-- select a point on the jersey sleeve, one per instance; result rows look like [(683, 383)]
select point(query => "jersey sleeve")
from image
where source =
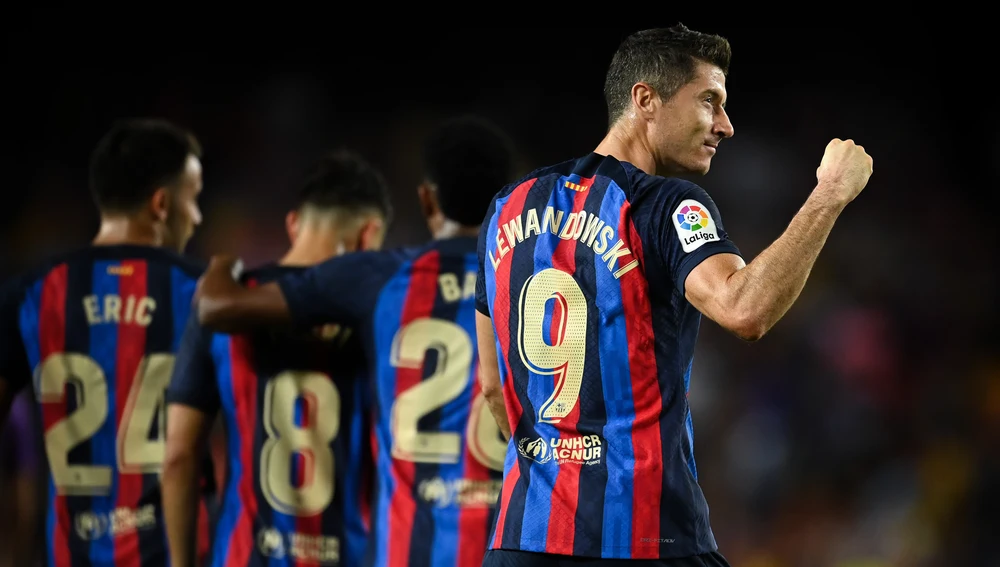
[(690, 230), (15, 369), (194, 383), (342, 290)]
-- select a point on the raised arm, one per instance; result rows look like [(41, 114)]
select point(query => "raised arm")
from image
[(749, 299)]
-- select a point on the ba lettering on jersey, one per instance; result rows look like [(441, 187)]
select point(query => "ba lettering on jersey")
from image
[(439, 453), (98, 329), (582, 272), (295, 410)]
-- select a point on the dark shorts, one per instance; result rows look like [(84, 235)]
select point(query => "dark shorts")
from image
[(508, 558)]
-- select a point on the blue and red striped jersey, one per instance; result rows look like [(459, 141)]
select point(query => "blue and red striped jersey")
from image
[(582, 271), (439, 453), (96, 332), (298, 455)]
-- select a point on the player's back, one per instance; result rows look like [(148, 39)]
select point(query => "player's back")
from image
[(439, 451), (584, 267), (98, 330), (295, 410)]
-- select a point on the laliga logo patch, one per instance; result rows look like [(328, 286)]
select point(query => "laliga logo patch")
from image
[(694, 225)]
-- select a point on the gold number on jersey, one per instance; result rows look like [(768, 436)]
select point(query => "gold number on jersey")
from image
[(311, 442), (455, 357), (135, 452), (564, 359)]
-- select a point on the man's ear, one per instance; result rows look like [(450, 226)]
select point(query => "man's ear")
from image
[(429, 206), (159, 204), (292, 225), (645, 100), (372, 233)]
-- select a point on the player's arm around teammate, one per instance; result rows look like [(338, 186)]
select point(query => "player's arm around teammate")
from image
[(226, 306)]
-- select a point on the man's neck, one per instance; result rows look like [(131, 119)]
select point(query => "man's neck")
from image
[(115, 231), (623, 143), (452, 229), (311, 248)]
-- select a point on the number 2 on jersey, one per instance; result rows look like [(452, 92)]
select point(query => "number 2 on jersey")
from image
[(449, 379), (136, 452), (552, 301)]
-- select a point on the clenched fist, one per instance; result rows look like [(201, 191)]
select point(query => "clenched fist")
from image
[(845, 169)]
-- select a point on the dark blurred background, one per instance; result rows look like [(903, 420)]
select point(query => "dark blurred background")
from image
[(863, 431)]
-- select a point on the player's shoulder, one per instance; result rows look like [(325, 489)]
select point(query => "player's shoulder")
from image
[(643, 185), (370, 268)]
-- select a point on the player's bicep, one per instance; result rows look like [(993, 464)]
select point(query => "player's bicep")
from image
[(335, 291), (187, 432), (244, 309), (707, 287), (193, 383)]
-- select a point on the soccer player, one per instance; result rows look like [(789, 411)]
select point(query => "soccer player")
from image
[(593, 277), (97, 330), (293, 404), (438, 450)]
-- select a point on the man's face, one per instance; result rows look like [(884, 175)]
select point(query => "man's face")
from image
[(689, 126), (185, 214)]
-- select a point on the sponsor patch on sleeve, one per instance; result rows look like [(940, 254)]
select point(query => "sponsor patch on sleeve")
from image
[(694, 225)]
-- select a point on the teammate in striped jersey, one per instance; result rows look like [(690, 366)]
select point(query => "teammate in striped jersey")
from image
[(97, 329), (594, 274), (294, 405), (438, 450)]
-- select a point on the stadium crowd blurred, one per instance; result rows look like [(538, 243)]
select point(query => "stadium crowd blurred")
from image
[(864, 431)]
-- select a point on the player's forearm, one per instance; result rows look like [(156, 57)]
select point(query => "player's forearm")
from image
[(180, 507), (763, 291), (494, 397), (235, 309)]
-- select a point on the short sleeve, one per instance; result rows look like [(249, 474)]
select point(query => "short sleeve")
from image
[(194, 382), (482, 304), (343, 289), (692, 231), (15, 369)]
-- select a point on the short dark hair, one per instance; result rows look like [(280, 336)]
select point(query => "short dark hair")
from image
[(469, 159), (135, 158), (343, 180), (664, 58)]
